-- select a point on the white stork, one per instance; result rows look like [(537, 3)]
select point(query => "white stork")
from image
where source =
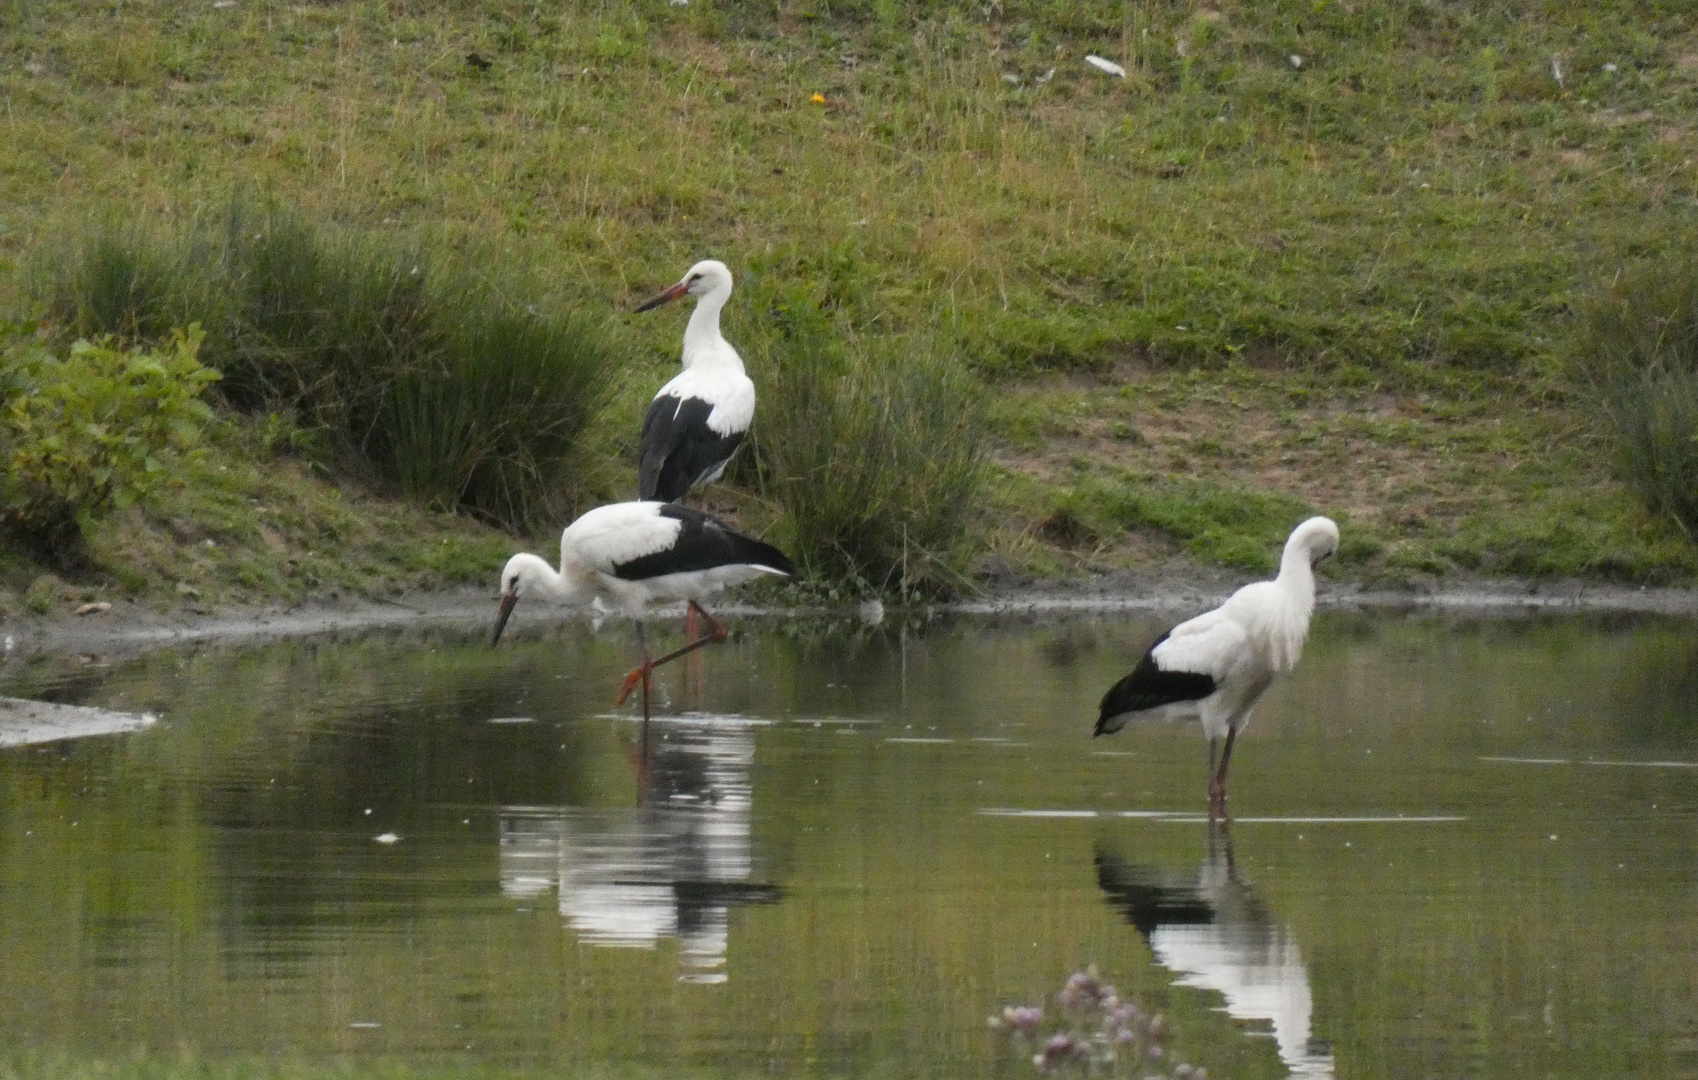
[(1218, 664), (699, 419), (629, 555)]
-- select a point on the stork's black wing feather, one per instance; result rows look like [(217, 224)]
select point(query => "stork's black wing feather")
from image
[(703, 543), (679, 450), (1149, 687)]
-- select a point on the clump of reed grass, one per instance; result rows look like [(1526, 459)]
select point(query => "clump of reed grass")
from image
[(874, 450), (1636, 352), (420, 376)]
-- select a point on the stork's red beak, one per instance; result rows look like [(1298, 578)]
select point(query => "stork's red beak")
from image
[(501, 614), (664, 298)]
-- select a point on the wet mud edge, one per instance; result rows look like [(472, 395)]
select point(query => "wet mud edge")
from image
[(129, 627)]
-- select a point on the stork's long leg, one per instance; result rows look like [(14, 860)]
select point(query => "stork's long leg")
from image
[(693, 680), (1217, 782), (639, 674), (716, 634)]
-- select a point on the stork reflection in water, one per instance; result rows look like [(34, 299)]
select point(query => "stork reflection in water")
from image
[(1214, 932), (673, 866)]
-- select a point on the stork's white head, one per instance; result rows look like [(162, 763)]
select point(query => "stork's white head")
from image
[(706, 278), (525, 574), (1311, 542)]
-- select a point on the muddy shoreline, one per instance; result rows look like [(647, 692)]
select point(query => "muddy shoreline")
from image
[(129, 627)]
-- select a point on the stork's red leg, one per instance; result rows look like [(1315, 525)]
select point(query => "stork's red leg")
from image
[(1217, 781), (716, 634), (639, 674)]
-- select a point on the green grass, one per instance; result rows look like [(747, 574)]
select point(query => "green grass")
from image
[(1374, 255), (1230, 527)]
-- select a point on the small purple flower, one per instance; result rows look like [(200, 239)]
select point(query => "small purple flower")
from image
[(1022, 1018), (1082, 989), (1125, 1037), (1155, 1052), (1058, 1049)]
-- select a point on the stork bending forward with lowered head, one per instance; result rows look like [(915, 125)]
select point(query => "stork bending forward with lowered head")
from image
[(1218, 664), (629, 555), (699, 419)]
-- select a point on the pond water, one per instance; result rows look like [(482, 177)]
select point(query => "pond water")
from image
[(1458, 847)]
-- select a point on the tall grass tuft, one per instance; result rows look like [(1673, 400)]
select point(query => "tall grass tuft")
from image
[(875, 451), (1636, 349), (422, 377)]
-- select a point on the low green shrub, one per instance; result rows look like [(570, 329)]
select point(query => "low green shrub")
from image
[(1636, 351), (91, 431), (875, 453), (424, 378)]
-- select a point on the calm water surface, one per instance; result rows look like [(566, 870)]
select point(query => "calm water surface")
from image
[(1459, 848)]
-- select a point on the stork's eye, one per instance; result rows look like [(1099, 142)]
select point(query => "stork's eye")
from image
[(693, 279)]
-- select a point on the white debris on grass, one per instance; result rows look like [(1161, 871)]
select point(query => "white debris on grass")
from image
[(1108, 67)]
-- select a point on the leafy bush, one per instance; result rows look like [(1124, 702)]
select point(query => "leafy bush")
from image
[(94, 430), (424, 379), (875, 452), (1636, 349)]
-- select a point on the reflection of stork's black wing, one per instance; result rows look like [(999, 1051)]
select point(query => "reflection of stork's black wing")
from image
[(724, 893), (1148, 902)]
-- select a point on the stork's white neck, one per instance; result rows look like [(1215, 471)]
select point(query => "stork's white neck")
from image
[(538, 579), (1297, 577), (703, 343), (1289, 625)]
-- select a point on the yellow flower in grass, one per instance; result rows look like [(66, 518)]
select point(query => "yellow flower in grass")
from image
[(818, 98)]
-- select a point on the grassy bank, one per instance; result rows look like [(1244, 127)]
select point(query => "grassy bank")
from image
[(1301, 258)]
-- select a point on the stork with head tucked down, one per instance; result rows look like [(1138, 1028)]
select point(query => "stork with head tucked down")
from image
[(629, 555), (699, 419), (1218, 664)]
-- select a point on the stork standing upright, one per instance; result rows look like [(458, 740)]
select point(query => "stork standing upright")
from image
[(699, 419), (1217, 665), (632, 554)]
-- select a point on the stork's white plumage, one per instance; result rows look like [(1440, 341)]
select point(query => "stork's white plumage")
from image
[(1218, 664), (629, 555), (698, 420)]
